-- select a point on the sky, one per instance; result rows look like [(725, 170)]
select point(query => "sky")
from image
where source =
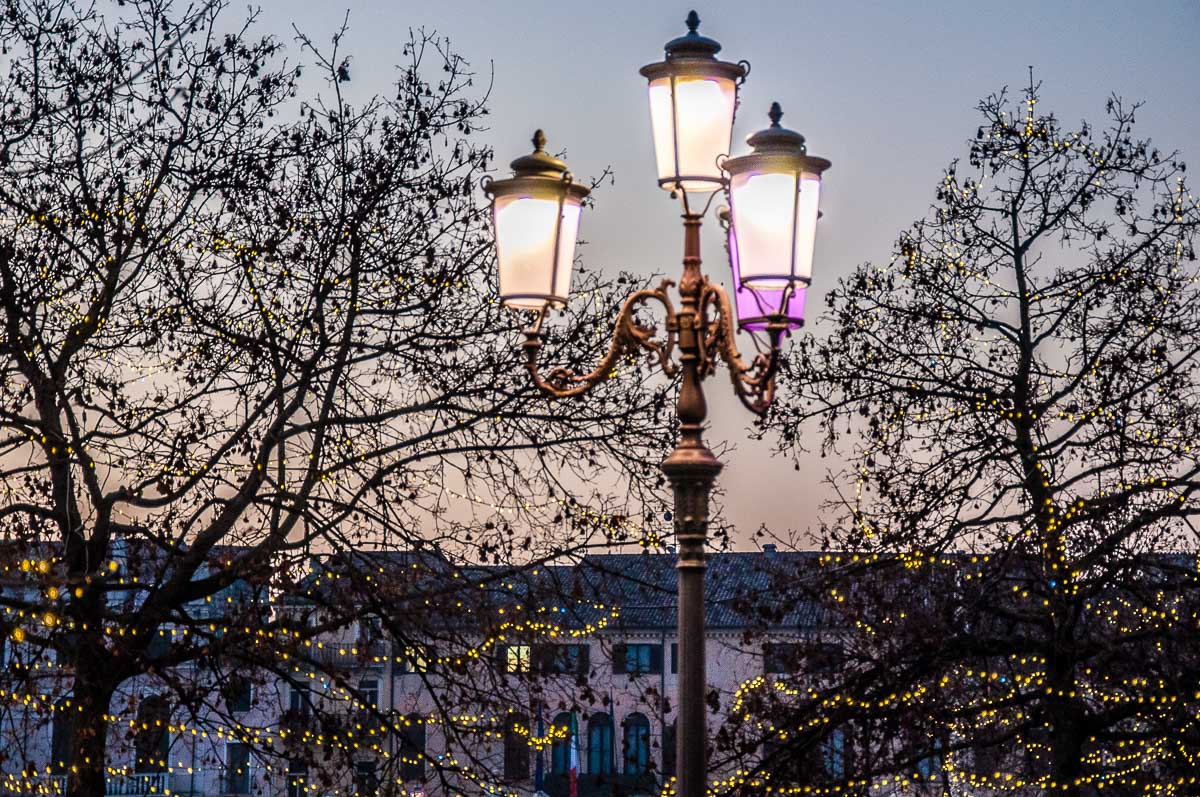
[(886, 91)]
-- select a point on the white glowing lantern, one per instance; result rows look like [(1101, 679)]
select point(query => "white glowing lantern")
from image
[(535, 214), (693, 97), (774, 197)]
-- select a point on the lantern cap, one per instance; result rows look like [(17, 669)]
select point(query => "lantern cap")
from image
[(539, 163), (692, 44), (777, 138), (776, 148)]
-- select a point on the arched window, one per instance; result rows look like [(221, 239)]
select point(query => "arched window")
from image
[(151, 743), (560, 749), (637, 744), (600, 744), (412, 748)]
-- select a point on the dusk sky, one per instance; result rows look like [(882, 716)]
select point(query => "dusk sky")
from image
[(884, 90)]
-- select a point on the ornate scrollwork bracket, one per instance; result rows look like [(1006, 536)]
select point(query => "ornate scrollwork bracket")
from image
[(628, 338), (753, 381)]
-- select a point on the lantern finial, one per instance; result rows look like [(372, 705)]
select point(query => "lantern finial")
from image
[(539, 162), (775, 114), (692, 44), (776, 138)]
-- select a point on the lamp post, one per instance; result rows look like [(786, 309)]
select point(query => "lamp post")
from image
[(770, 225)]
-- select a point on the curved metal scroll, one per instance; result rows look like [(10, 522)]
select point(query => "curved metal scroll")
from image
[(628, 337), (753, 382)]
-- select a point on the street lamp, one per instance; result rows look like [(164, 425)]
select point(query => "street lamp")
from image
[(535, 214), (693, 97), (771, 224)]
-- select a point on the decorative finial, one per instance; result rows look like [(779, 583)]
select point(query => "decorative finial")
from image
[(775, 114), (693, 22), (539, 141)]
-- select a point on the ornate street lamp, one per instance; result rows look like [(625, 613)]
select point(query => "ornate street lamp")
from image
[(771, 227), (693, 97), (535, 214)]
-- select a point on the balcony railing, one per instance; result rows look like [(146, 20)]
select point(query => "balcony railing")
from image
[(137, 785), (245, 781), (360, 654)]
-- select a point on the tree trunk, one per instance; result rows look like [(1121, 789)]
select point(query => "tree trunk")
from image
[(90, 704), (1066, 739)]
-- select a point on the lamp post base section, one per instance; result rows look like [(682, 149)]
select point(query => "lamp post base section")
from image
[(692, 470)]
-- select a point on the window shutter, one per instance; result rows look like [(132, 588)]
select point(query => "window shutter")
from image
[(430, 659), (543, 658), (618, 659), (583, 662), (656, 662)]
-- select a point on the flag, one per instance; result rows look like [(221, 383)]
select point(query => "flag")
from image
[(573, 752), (539, 772)]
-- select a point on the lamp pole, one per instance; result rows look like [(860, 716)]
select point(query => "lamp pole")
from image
[(692, 469), (773, 196)]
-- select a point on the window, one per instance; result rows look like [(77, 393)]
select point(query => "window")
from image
[(560, 748), (151, 742), (931, 766), (669, 740), (637, 744), (369, 630), (674, 658), (638, 659), (771, 746), (300, 700), (823, 659), (833, 754), (239, 693), (418, 659), (297, 777), (62, 751), (516, 748), (990, 759), (600, 744), (514, 658), (368, 692), (412, 748), (563, 659), (366, 782), (237, 768), (780, 657)]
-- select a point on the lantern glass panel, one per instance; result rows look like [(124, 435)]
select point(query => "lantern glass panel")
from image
[(806, 225), (531, 271), (753, 306), (699, 123), (764, 212)]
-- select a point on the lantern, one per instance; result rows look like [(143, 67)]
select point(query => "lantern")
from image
[(774, 194), (535, 214), (692, 102)]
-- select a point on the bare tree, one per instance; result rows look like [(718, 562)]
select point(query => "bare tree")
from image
[(1017, 398), (245, 320)]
